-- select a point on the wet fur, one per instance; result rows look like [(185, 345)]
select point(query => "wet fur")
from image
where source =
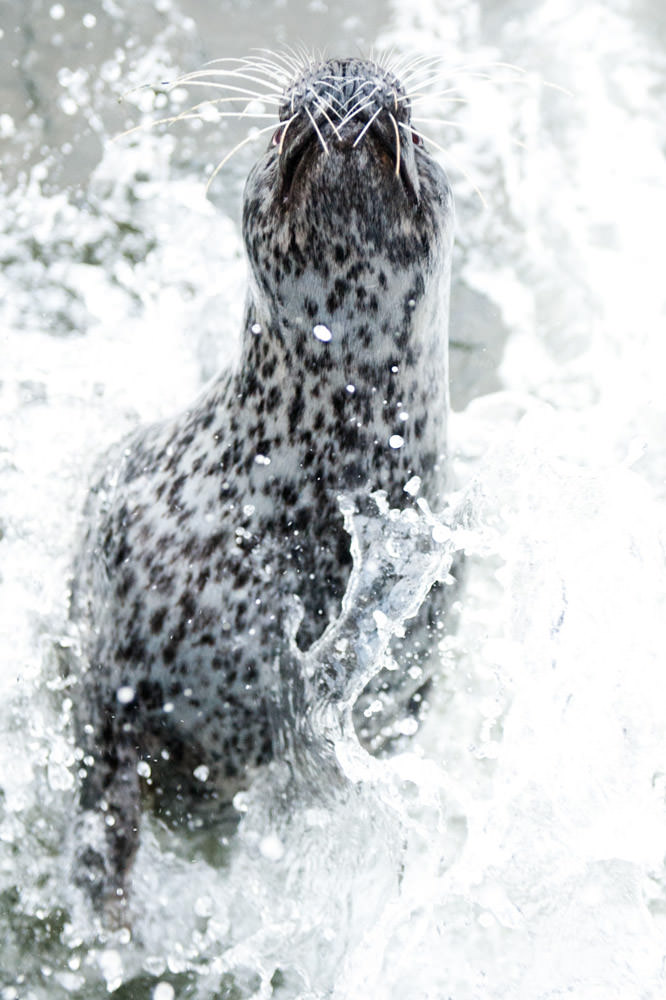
[(200, 529)]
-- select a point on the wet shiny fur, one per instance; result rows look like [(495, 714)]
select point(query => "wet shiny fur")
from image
[(200, 529)]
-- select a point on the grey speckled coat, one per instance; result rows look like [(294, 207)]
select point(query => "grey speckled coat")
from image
[(202, 527)]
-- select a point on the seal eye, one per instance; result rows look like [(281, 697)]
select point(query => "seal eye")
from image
[(277, 135), (416, 139)]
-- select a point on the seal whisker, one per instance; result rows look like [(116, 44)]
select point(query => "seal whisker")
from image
[(397, 144), (324, 100), (437, 121), (284, 133), (299, 61), (317, 130), (190, 113), (275, 74), (365, 128), (206, 74), (450, 72), (460, 125), (417, 98), (241, 91), (473, 71), (281, 75), (364, 102), (406, 68), (450, 154), (322, 108), (225, 159), (409, 66)]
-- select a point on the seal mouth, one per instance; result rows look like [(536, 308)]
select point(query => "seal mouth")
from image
[(300, 146)]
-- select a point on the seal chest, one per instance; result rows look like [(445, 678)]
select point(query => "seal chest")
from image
[(202, 528)]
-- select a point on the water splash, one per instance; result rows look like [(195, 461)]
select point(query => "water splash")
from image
[(515, 850)]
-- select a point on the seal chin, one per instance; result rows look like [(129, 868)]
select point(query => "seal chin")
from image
[(304, 147), (395, 165)]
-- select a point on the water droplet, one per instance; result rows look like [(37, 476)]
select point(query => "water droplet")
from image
[(403, 416), (322, 333), (412, 486), (351, 388), (7, 126), (57, 12), (381, 621), (440, 533), (395, 441), (271, 847), (262, 460), (201, 772), (203, 906), (143, 769), (164, 991), (408, 726), (256, 328), (111, 967), (125, 694)]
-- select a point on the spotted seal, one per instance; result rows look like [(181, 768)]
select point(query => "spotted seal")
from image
[(202, 528)]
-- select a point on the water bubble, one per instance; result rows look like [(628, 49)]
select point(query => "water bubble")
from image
[(322, 333), (262, 460), (403, 416), (351, 388), (57, 12), (256, 328), (143, 769), (201, 772), (89, 20), (395, 441)]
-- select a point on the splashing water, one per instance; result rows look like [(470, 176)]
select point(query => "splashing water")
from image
[(514, 848)]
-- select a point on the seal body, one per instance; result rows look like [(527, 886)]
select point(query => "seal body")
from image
[(201, 529)]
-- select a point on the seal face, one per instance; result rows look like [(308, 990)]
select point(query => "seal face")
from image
[(202, 528)]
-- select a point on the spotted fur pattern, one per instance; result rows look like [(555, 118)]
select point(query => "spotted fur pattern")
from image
[(201, 528)]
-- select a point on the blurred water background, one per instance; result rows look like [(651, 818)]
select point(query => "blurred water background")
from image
[(516, 850)]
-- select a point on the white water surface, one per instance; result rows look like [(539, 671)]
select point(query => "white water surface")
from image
[(515, 850)]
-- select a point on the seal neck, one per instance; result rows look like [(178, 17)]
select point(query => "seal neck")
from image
[(367, 394)]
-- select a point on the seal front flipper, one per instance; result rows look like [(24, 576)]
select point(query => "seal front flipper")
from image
[(108, 825)]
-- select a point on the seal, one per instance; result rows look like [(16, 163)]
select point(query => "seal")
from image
[(201, 529)]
